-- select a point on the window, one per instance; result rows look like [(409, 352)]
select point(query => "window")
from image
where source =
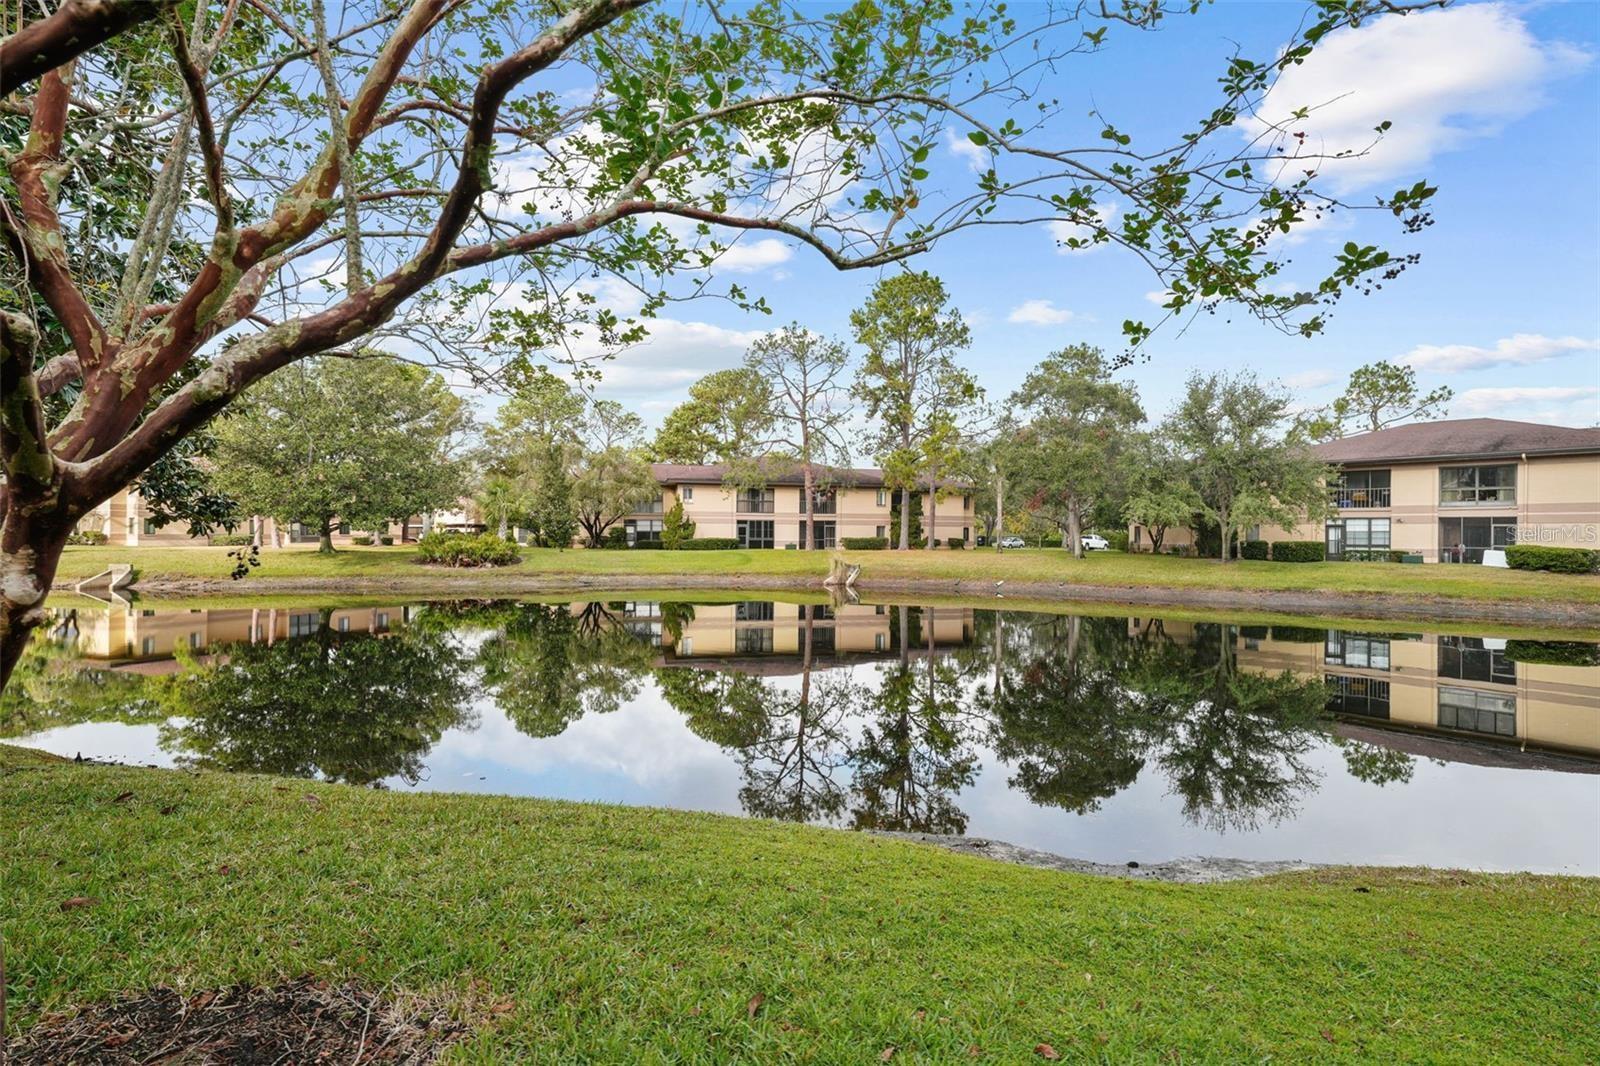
[(822, 639), (1466, 659), (1463, 540), (194, 640), (1357, 536), (383, 621), (880, 641), (755, 534), (1474, 485), (147, 646), (344, 529), (756, 501), (150, 526), (1477, 712), (883, 500), (1355, 650), (881, 531), (1364, 696), (303, 625), (752, 640), (1360, 488), (652, 506), (686, 646), (687, 492), (642, 530), (344, 624), (966, 501), (753, 611), (826, 533), (966, 533)]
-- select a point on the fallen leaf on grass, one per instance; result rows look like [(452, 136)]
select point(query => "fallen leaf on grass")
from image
[(1328, 1036), (753, 1008), (1045, 1051), (123, 798), (312, 800), (974, 1050), (169, 809), (76, 902), (886, 1054), (224, 869)]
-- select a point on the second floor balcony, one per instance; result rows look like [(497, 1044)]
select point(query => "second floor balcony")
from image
[(1346, 497)]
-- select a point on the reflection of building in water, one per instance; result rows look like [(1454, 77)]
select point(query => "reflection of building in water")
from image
[(1463, 687), (145, 641), (776, 632)]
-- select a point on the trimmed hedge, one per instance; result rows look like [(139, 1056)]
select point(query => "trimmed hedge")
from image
[(230, 540), (1253, 549), (1372, 555), (1299, 551), (864, 544), (362, 540), (88, 536), (467, 549), (1299, 634), (957, 543), (1553, 652), (1555, 560), (710, 544)]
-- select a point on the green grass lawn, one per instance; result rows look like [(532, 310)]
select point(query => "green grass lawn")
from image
[(1049, 565), (585, 933)]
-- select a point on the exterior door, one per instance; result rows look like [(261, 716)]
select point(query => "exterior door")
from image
[(1335, 540)]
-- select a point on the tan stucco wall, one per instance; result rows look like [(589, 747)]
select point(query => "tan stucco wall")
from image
[(713, 509)]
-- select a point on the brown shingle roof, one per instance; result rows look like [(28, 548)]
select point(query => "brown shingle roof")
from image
[(1460, 438), (861, 477)]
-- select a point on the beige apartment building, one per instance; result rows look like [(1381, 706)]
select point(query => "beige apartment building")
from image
[(125, 520), (855, 503), (1449, 490)]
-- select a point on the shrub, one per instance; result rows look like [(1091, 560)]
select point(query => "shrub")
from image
[(1253, 549), (676, 530), (362, 540), (1299, 551), (87, 536), (648, 545), (710, 544), (1255, 632), (1372, 555), (864, 544), (466, 549), (1118, 539), (1299, 634), (615, 537), (230, 540), (955, 542), (1555, 560), (1553, 652)]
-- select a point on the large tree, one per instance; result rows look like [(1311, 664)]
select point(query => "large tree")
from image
[(726, 418), (1244, 471), (1076, 421), (1379, 395), (362, 440), (918, 401), (297, 186), (808, 411)]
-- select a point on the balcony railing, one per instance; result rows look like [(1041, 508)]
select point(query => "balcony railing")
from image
[(746, 505), (1346, 497)]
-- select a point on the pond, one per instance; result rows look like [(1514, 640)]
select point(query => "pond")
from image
[(1107, 737)]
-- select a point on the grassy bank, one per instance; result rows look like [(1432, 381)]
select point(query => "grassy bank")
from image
[(588, 933), (1046, 566)]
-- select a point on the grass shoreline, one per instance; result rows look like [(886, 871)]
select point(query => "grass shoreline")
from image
[(1375, 590), (603, 933)]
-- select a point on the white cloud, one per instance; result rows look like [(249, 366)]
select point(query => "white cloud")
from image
[(1310, 379), (746, 257), (1039, 313), (1569, 405), (1066, 231), (674, 356), (1521, 349), (1442, 77), (1159, 297), (975, 157)]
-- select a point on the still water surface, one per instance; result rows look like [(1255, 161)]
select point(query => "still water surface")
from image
[(1107, 738)]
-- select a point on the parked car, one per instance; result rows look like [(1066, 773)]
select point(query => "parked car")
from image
[(1094, 542), (1013, 541)]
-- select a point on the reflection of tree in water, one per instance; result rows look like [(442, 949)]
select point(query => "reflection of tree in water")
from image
[(789, 745), (915, 751), (1376, 765), (1061, 711), (351, 707), (53, 686), (1080, 705), (547, 666)]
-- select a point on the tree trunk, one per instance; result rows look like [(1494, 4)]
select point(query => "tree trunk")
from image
[(905, 634), (905, 520), (933, 519), (30, 551), (326, 543), (1157, 535), (1075, 528), (999, 531), (1222, 527), (808, 531)]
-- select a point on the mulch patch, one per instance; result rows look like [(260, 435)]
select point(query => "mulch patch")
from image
[(303, 1021)]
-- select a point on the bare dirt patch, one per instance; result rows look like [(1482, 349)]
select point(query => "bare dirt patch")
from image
[(303, 1021)]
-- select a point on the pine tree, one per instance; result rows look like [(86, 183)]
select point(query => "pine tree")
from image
[(553, 514)]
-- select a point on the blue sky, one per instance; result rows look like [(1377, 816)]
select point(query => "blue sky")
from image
[(1497, 104)]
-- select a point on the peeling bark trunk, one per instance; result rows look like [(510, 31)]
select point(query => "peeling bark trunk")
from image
[(933, 520), (30, 551), (1075, 529), (905, 520)]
